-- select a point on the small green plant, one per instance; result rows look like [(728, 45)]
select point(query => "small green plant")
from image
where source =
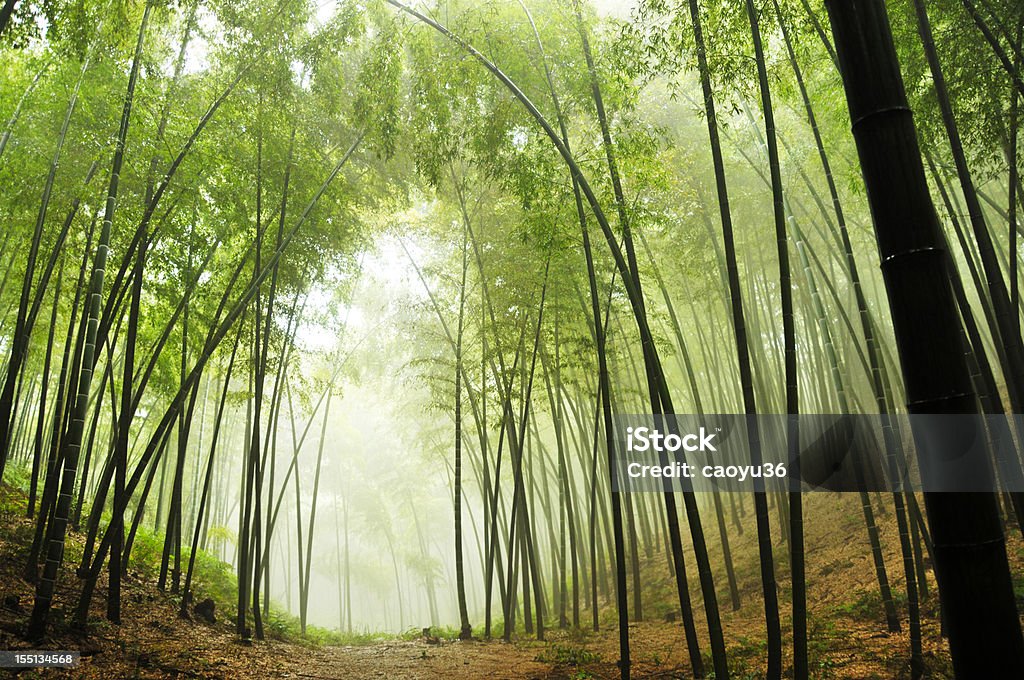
[(868, 605), (1018, 586), (568, 655), (742, 660), (18, 474), (146, 551), (215, 579)]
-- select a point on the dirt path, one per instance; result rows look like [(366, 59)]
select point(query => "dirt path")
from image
[(214, 654), (153, 642), (457, 660), (162, 646)]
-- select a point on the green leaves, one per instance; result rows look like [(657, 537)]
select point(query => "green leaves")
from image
[(377, 106)]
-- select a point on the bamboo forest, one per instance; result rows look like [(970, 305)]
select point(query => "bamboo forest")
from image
[(540, 339)]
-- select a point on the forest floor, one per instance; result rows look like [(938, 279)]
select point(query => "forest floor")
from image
[(846, 623)]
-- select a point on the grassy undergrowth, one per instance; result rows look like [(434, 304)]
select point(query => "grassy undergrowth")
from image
[(213, 578)]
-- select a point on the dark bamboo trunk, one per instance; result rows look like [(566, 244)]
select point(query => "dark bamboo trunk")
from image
[(792, 395), (55, 547), (969, 547), (742, 354), (465, 629), (186, 595), (5, 14)]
